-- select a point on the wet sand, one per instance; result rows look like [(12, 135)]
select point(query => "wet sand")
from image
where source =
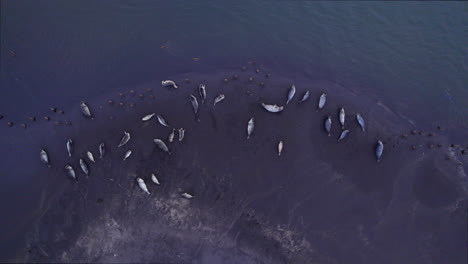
[(319, 202)]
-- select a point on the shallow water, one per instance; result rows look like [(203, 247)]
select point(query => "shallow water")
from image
[(320, 201)]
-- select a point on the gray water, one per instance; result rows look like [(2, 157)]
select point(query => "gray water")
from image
[(400, 64)]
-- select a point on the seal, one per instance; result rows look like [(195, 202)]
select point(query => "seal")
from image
[(194, 101), (291, 93), (127, 154), (125, 139), (202, 91), (168, 83), (154, 179), (171, 136), (142, 185), (69, 147), (218, 99), (272, 108), (360, 121), (379, 150), (148, 117), (84, 167), (328, 123), (250, 127), (322, 101), (181, 134), (187, 196), (44, 157), (306, 96), (102, 150), (85, 109), (70, 171), (90, 156), (344, 133), (280, 148), (162, 121), (161, 145), (342, 117)]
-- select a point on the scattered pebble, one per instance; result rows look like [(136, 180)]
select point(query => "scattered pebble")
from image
[(121, 104), (431, 146), (413, 132), (439, 128), (141, 96), (262, 84), (121, 95), (187, 81), (439, 145), (148, 89), (61, 112), (404, 135), (267, 75), (459, 163), (68, 123), (132, 92), (196, 59), (257, 70), (251, 79), (132, 105), (32, 118), (248, 92), (151, 96), (431, 134), (463, 152), (413, 147), (226, 80), (235, 77), (23, 125), (46, 118), (421, 133), (10, 124), (53, 109), (250, 62), (454, 146), (58, 123), (12, 53), (110, 102), (111, 117), (244, 68)]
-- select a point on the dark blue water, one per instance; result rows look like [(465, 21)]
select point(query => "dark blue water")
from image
[(402, 64)]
